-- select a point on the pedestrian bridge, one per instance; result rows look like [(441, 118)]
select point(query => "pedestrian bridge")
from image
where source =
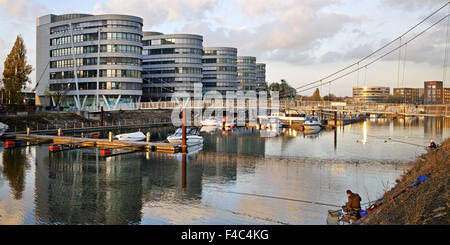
[(393, 109)]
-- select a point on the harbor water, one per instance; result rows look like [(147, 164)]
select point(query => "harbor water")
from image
[(242, 176)]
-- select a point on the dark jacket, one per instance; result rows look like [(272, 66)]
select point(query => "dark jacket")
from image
[(354, 202)]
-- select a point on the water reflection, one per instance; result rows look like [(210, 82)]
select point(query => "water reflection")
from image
[(13, 168), (78, 187)]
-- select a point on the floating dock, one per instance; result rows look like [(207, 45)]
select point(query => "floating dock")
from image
[(62, 143)]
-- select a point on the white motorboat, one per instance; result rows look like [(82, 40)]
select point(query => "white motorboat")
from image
[(210, 122), (192, 137), (3, 128), (137, 136), (312, 124)]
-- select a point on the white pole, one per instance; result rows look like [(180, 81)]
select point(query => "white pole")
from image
[(98, 69), (77, 100)]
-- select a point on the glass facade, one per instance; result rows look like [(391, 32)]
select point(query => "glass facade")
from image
[(220, 70), (246, 67), (171, 63), (120, 58)]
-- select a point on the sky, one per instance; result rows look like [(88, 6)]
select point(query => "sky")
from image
[(301, 41)]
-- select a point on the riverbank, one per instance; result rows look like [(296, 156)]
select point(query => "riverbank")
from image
[(52, 120), (426, 203)]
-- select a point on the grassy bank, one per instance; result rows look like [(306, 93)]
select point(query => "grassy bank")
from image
[(426, 203)]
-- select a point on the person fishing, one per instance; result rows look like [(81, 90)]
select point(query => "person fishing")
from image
[(432, 145), (352, 207)]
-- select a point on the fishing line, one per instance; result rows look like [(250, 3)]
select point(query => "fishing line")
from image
[(390, 139)]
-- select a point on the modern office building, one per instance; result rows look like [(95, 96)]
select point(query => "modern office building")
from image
[(88, 71), (171, 62), (246, 68), (220, 69), (260, 77), (409, 95), (433, 92), (371, 94)]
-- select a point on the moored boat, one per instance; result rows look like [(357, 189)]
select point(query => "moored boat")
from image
[(312, 124), (3, 128), (137, 136), (192, 136)]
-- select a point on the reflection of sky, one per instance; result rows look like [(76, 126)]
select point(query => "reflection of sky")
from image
[(363, 141)]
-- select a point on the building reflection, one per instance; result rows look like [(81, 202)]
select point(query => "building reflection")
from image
[(238, 140), (434, 126), (76, 187)]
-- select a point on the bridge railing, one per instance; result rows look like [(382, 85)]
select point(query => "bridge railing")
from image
[(438, 110)]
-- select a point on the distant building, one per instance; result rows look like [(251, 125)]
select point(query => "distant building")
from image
[(246, 68), (433, 92), (446, 95), (260, 77), (371, 94), (171, 63), (409, 95), (220, 69)]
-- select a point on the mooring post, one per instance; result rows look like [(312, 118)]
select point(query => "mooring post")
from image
[(110, 136), (59, 132), (335, 119), (183, 129), (147, 138), (101, 116), (183, 171), (28, 131)]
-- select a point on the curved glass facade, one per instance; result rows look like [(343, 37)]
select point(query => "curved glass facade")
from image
[(72, 43), (220, 69), (246, 67), (260, 77), (171, 62)]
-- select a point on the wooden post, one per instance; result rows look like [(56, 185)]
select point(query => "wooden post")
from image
[(110, 136), (335, 119), (59, 132), (183, 129), (183, 172), (147, 138), (28, 131), (101, 116)]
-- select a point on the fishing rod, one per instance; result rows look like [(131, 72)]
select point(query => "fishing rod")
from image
[(278, 198)]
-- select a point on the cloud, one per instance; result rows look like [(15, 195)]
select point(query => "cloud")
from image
[(158, 11), (288, 30), (26, 10), (414, 4)]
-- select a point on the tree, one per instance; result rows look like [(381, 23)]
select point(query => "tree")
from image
[(330, 97), (16, 71), (316, 95), (284, 89)]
